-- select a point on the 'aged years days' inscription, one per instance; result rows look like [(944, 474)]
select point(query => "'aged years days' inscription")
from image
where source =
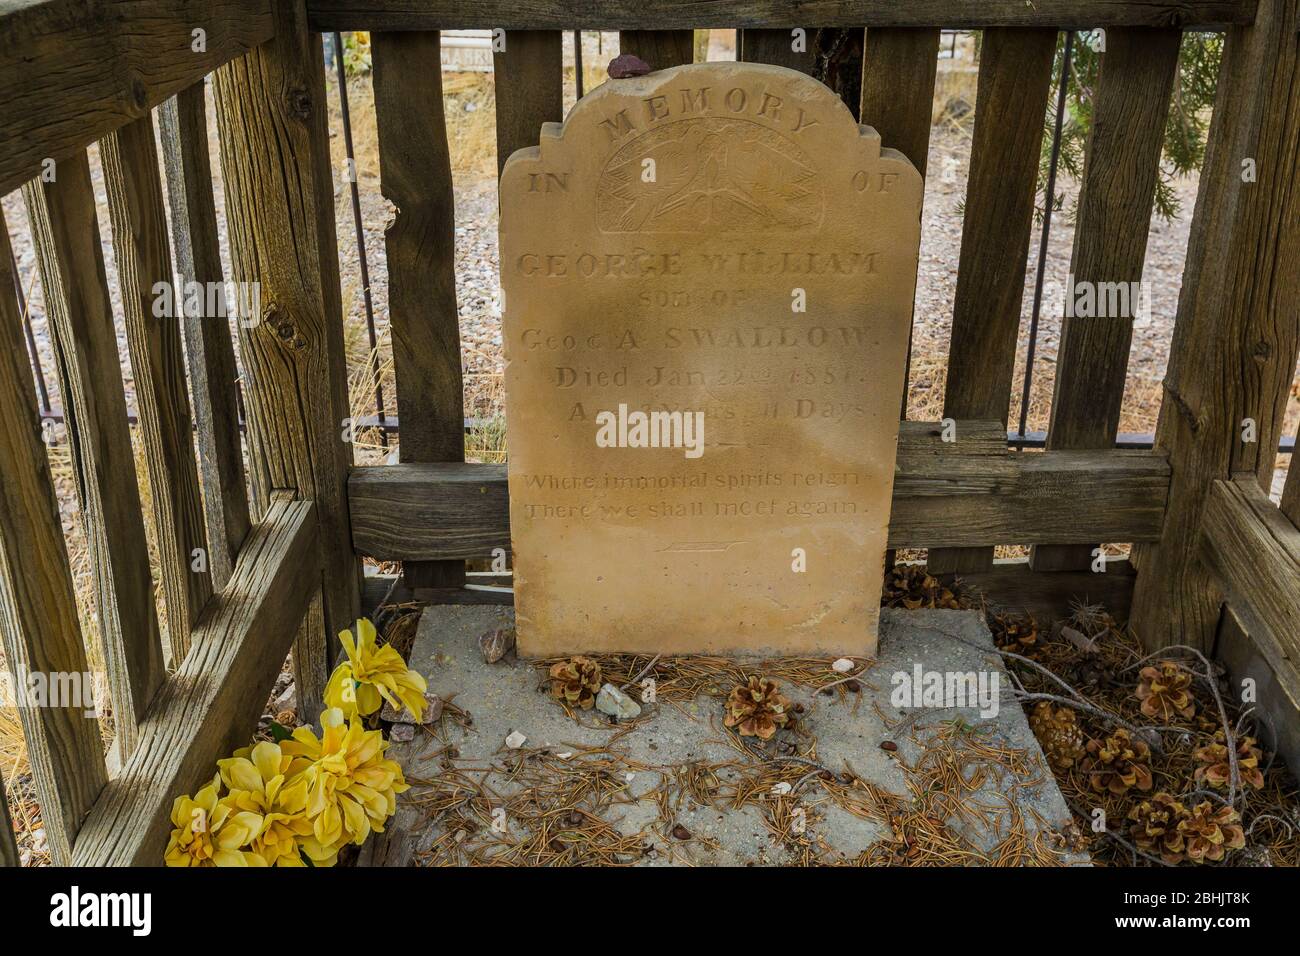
[(708, 277)]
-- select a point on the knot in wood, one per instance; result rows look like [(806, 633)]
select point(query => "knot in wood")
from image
[(299, 103), (139, 93)]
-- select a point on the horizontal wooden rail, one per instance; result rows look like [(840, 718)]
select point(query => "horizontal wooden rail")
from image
[(969, 493), (75, 71), (211, 704), (1253, 552), (326, 15)]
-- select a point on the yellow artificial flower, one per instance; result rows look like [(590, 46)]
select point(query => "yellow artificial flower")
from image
[(372, 675), (257, 781), (211, 831), (351, 788)]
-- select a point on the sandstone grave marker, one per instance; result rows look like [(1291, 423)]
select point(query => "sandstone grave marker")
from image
[(708, 276)]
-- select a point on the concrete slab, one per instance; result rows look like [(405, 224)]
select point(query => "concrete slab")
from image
[(643, 807)]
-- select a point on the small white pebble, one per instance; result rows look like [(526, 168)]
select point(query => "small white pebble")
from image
[(842, 666), (515, 740)]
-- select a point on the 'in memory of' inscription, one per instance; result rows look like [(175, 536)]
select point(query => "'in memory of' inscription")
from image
[(708, 278)]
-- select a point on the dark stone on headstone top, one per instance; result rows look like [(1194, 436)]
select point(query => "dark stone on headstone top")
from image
[(627, 64)]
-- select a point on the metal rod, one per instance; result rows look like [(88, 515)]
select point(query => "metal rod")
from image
[(361, 236), (1048, 199)]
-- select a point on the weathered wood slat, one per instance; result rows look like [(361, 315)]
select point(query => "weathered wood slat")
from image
[(143, 256), (415, 176), (8, 845), (1014, 587), (1278, 704), (693, 14), (1014, 78), (776, 47), (1120, 171), (213, 373), (38, 609), (76, 71), (1291, 491), (659, 48), (211, 704), (1253, 553), (529, 84), (898, 71), (1234, 348), (66, 235), (430, 511), (272, 114)]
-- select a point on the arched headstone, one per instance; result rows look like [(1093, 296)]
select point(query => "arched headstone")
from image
[(708, 276)]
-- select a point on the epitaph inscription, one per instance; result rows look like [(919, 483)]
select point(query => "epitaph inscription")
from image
[(708, 276)]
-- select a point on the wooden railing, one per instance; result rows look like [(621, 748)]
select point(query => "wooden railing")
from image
[(282, 567)]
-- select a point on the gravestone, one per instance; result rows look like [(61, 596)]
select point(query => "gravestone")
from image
[(708, 276)]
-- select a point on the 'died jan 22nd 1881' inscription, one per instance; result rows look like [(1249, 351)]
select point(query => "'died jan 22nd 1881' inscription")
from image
[(708, 277)]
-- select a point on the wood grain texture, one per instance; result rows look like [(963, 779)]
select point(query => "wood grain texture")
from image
[(420, 242), (1278, 703), (1291, 491), (898, 71), (75, 71), (213, 373), (1234, 346), (1014, 587), (272, 114), (1014, 78), (210, 706), (659, 48), (426, 512), (8, 845), (724, 14), (776, 47), (1253, 553), (66, 235), (38, 610), (1121, 168), (529, 85), (135, 204)]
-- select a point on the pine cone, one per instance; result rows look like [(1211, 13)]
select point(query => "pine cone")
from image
[(1155, 827), (576, 681), (1215, 769), (1118, 763), (1210, 831), (757, 709), (910, 586), (1165, 690), (1058, 732), (1019, 635)]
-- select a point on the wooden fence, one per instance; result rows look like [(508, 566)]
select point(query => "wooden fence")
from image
[(284, 561)]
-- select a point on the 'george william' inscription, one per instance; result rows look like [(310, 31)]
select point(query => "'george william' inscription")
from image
[(708, 278)]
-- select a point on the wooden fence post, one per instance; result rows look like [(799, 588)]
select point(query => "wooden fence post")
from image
[(1234, 349), (272, 113)]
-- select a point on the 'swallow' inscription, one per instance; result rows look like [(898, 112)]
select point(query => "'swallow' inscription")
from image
[(708, 278)]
